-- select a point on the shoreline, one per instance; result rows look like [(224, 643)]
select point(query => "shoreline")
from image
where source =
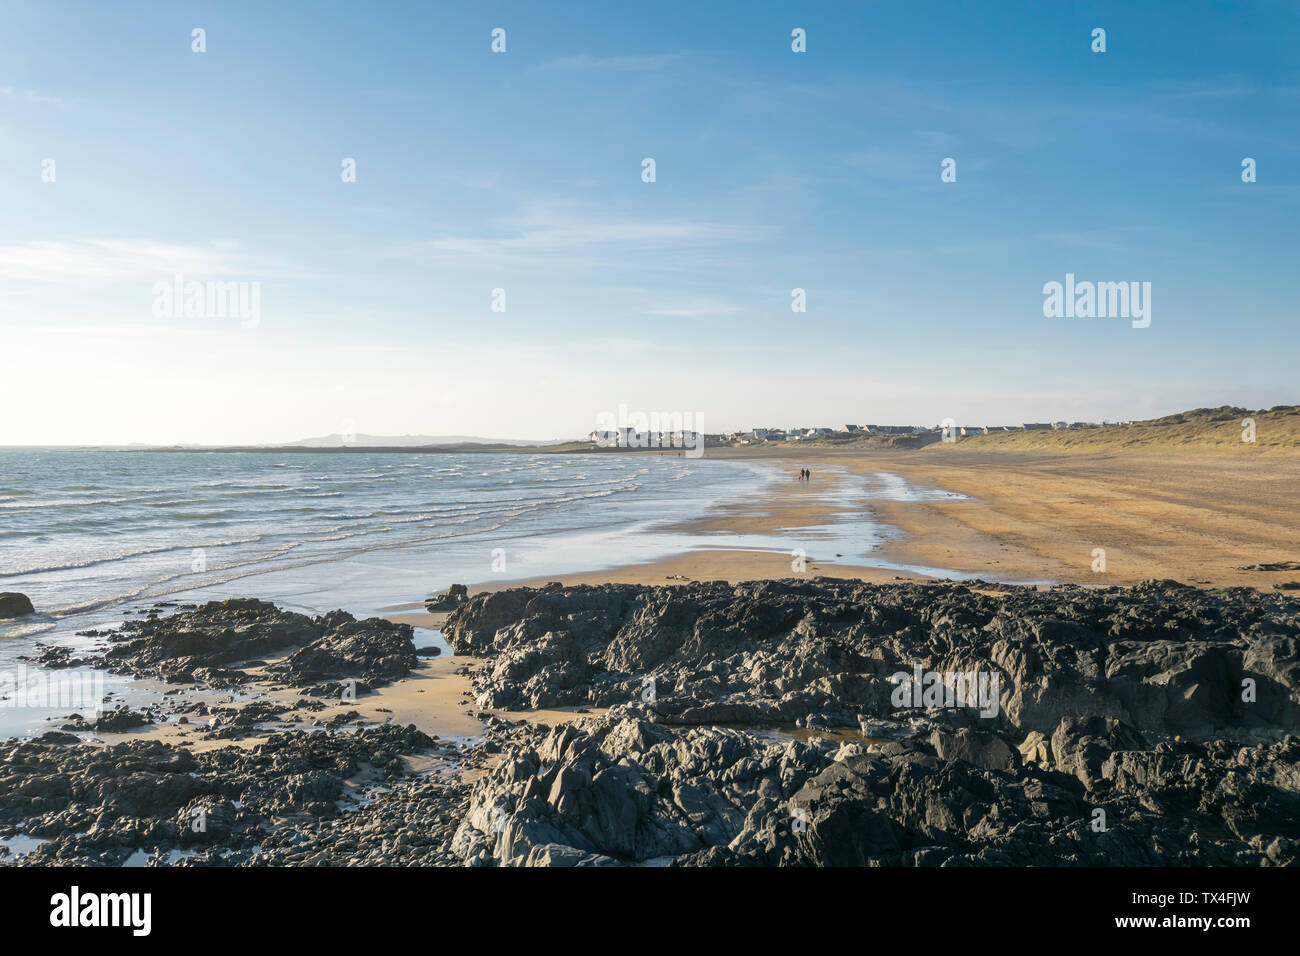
[(438, 696), (433, 748), (1024, 517), (1016, 517), (988, 535)]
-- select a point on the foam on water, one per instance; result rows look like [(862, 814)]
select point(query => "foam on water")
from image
[(366, 532)]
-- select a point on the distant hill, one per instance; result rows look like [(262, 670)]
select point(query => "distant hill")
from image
[(404, 441), (1201, 429)]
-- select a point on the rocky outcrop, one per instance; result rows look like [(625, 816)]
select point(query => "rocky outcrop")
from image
[(1160, 657), (99, 805), (449, 600), (13, 604), (784, 723), (118, 720), (376, 650), (219, 642), (1142, 726), (623, 790)]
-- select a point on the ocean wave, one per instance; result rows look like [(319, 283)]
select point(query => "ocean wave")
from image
[(123, 556), (20, 628), (405, 505), (154, 589), (61, 503)]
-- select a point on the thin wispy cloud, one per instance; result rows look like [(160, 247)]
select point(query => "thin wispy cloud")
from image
[(891, 164), (622, 64), (547, 230), (1124, 239), (35, 97), (1224, 87), (696, 308), (115, 260), (1117, 239)]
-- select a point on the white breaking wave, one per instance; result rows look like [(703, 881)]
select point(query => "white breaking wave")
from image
[(156, 526), (122, 556)]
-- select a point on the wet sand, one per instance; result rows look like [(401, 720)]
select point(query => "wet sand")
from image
[(1028, 516), (1198, 520)]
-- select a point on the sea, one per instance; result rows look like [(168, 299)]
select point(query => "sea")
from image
[(94, 536)]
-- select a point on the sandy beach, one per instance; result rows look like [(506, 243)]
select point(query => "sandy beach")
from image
[(1035, 515), (1027, 516)]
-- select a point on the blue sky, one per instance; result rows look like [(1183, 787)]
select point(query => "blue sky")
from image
[(522, 171)]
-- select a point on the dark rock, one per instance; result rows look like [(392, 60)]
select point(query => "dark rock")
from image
[(1166, 707), (374, 651), (823, 654), (57, 738), (98, 805), (216, 643), (978, 748), (116, 721), (13, 604), (449, 600), (55, 657), (214, 636), (1165, 711)]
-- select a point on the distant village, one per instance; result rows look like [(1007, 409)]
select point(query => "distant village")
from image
[(632, 438)]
